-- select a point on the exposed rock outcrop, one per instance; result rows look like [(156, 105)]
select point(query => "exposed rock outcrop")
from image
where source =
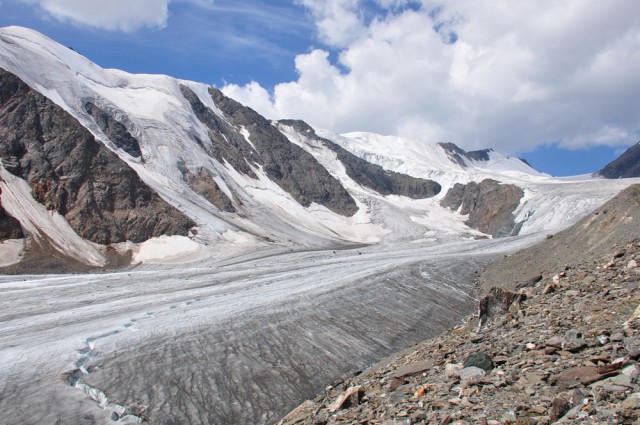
[(616, 223), (203, 184), (371, 175), (489, 204), (245, 138), (458, 155), (625, 166), (70, 172), (9, 227), (114, 130)]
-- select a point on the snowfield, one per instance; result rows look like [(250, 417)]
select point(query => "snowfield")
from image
[(238, 341)]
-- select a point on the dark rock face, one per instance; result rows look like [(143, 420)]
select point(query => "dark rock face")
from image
[(9, 227), (203, 184), (489, 204), (70, 172), (626, 166), (458, 155), (115, 131), (288, 165), (371, 175)]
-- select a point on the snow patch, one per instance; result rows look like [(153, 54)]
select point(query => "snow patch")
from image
[(167, 249), (11, 252)]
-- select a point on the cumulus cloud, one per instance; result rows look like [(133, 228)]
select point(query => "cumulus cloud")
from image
[(494, 73), (113, 15), (338, 21)]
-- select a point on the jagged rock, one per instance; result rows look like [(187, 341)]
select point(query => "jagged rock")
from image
[(458, 155), (559, 407), (70, 172), (489, 204), (370, 175), (577, 376), (203, 184), (288, 165), (351, 397), (114, 130), (9, 227), (497, 302), (577, 398)]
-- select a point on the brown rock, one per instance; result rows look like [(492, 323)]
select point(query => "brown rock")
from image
[(351, 397), (559, 407), (582, 375), (413, 368)]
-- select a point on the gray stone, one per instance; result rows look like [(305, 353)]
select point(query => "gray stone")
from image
[(632, 402), (479, 360), (114, 130), (472, 374)]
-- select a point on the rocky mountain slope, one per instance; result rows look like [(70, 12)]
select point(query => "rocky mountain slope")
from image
[(626, 166), (85, 150), (69, 172), (564, 348), (616, 223)]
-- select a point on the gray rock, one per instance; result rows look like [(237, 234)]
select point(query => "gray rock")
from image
[(632, 402), (460, 156), (114, 130), (479, 360), (472, 374)]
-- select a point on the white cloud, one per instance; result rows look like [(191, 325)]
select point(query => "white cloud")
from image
[(338, 21), (113, 15), (519, 74)]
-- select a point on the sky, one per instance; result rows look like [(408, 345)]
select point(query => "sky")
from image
[(556, 82)]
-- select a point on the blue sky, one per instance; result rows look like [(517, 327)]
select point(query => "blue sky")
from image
[(554, 82)]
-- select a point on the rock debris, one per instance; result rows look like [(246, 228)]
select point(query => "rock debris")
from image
[(565, 350)]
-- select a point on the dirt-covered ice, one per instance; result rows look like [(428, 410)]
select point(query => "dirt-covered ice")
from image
[(236, 342)]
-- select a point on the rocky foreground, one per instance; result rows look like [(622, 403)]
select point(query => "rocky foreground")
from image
[(563, 348)]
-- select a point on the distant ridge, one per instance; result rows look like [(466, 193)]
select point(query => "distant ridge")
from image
[(625, 166)]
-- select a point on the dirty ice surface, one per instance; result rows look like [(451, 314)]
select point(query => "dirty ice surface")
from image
[(238, 341)]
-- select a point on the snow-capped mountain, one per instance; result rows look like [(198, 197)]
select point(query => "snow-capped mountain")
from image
[(100, 164)]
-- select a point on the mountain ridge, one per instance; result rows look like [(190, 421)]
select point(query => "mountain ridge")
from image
[(247, 183)]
